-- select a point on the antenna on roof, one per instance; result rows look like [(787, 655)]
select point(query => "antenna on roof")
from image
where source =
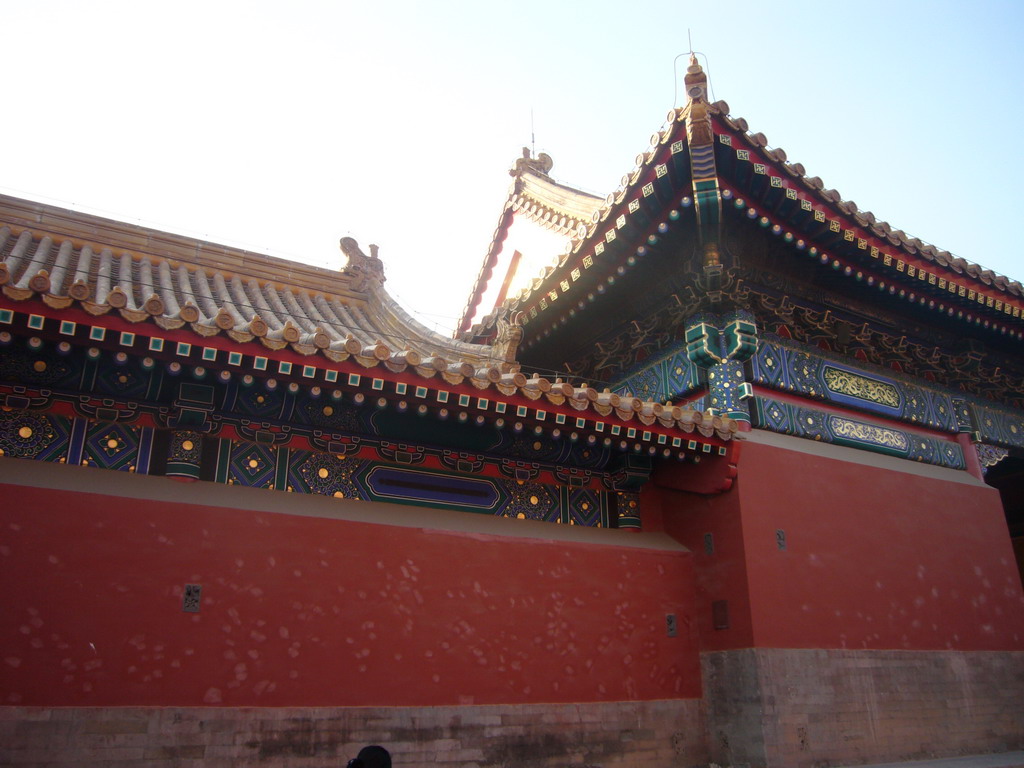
[(675, 72), (533, 136)]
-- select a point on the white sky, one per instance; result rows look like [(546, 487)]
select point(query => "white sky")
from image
[(282, 126)]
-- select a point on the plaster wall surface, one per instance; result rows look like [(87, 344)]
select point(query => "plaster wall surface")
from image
[(820, 546), (843, 553), (711, 527), (886, 619), (320, 602)]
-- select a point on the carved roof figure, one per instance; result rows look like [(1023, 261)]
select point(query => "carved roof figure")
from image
[(365, 270), (541, 165)]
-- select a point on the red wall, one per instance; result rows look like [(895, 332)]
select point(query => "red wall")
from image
[(874, 558), (720, 575), (321, 612)]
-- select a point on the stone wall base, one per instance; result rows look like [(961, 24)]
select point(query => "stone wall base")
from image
[(772, 708), (612, 735)]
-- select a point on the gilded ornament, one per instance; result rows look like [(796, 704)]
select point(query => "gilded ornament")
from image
[(861, 387), (869, 433)]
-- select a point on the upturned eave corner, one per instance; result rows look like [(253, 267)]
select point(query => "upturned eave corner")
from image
[(533, 196)]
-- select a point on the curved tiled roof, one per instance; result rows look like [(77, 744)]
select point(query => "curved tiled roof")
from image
[(361, 319), (830, 197), (895, 237), (533, 194), (67, 259), (590, 238)]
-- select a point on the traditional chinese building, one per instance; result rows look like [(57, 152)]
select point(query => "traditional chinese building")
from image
[(707, 484)]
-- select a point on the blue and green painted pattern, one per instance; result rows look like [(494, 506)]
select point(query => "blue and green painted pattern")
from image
[(31, 435), (54, 438), (963, 415), (668, 377), (251, 464), (184, 454), (707, 199), (712, 353), (721, 344), (114, 446), (814, 424), (727, 391), (804, 372), (740, 337), (339, 476), (999, 426), (127, 447), (787, 368), (711, 339), (303, 413)]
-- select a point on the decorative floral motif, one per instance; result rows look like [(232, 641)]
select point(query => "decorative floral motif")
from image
[(531, 501), (326, 474), (26, 435), (990, 455), (112, 446)]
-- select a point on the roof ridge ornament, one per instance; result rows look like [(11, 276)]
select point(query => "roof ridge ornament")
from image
[(698, 119), (365, 271), (541, 164), (509, 336), (695, 80), (700, 138)]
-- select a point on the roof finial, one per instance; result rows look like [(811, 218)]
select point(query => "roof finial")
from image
[(695, 80), (694, 75)]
